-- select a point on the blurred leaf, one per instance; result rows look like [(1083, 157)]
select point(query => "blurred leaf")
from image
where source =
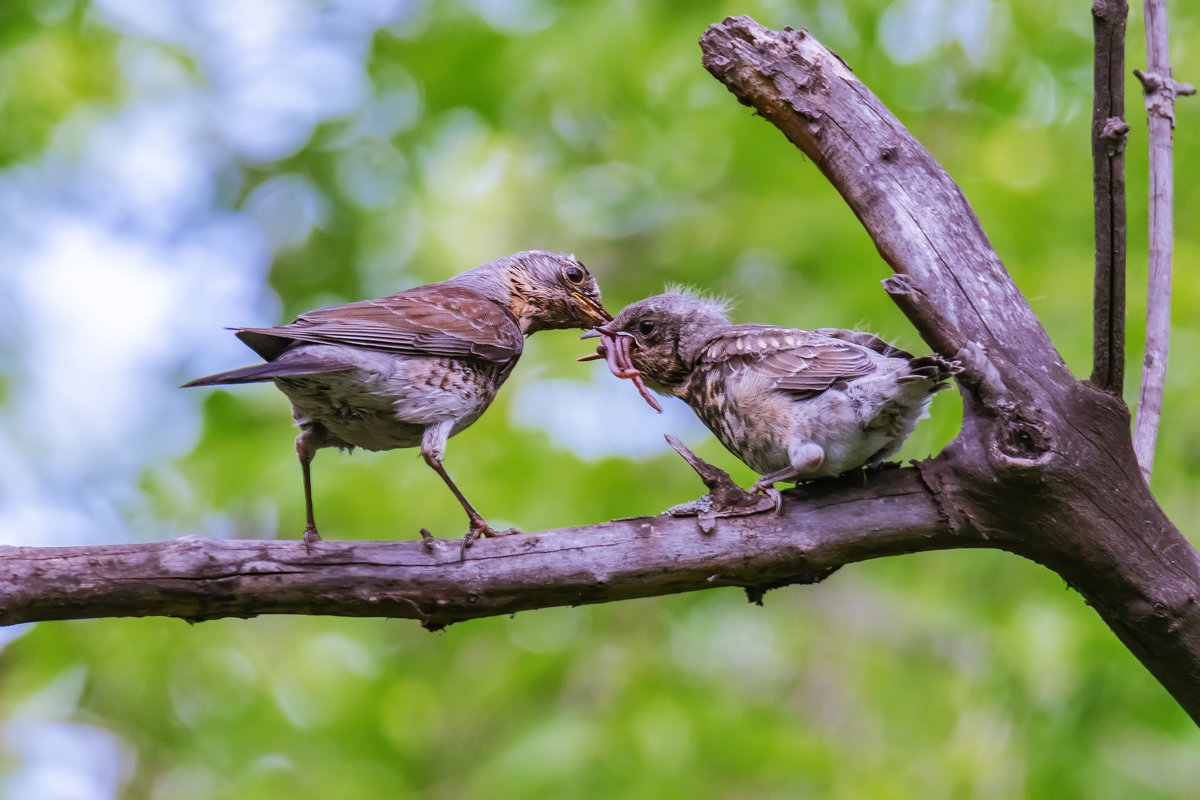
[(591, 127)]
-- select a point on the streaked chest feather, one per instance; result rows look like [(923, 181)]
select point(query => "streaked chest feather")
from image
[(388, 402)]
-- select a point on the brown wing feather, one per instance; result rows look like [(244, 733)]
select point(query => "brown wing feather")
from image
[(798, 360), (867, 340), (434, 320)]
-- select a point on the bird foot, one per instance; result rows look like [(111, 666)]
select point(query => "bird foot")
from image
[(479, 529), (487, 530), (311, 537), (774, 494)]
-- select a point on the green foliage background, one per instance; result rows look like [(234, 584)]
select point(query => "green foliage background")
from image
[(965, 674)]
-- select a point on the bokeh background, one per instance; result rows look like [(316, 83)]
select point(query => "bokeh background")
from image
[(169, 167)]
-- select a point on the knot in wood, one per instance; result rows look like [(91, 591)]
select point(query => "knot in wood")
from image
[(1114, 134), (900, 284), (1110, 11), (1161, 91), (1023, 443)]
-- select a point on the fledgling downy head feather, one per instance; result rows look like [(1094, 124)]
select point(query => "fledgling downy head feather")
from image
[(669, 331), (717, 302)]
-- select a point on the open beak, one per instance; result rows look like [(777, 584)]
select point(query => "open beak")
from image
[(601, 350), (593, 311), (614, 347), (600, 330)]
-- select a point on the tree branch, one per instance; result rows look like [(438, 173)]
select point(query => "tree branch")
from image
[(1160, 90), (822, 527), (1044, 462), (1044, 465), (1109, 132), (950, 282)]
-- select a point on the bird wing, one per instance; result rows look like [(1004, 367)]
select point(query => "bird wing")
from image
[(867, 340), (806, 362), (433, 320)]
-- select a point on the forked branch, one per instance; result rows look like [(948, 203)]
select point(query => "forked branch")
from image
[(1043, 467)]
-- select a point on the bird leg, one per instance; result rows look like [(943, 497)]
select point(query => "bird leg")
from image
[(433, 444), (305, 451), (806, 459)]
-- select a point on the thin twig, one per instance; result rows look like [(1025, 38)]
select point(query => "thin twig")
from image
[(1109, 132), (1160, 90)]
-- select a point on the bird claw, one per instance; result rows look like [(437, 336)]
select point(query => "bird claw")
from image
[(774, 494), (764, 487), (311, 537), (480, 529)]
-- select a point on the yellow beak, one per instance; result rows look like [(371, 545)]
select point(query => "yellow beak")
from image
[(594, 311)]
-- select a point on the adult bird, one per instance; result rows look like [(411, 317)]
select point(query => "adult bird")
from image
[(792, 404), (416, 367)]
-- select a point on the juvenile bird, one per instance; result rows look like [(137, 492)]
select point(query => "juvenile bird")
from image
[(793, 404), (419, 366)]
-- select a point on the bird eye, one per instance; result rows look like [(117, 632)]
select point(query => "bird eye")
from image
[(574, 275), (646, 326)]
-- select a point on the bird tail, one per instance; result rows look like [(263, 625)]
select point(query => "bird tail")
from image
[(294, 366), (934, 369)]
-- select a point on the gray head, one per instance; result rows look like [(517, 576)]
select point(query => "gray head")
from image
[(667, 333), (543, 290)]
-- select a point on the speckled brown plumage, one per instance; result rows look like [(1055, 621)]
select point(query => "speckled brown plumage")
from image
[(415, 368), (793, 404)]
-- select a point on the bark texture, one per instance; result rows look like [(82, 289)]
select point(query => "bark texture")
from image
[(1044, 462), (1109, 133), (434, 581), (1044, 465), (1160, 90)]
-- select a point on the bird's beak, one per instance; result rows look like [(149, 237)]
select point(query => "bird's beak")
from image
[(599, 330), (594, 312), (614, 348), (595, 333)]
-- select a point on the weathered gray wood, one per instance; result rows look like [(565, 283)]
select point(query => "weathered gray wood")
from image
[(1160, 90), (196, 578), (949, 282), (1109, 132)]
